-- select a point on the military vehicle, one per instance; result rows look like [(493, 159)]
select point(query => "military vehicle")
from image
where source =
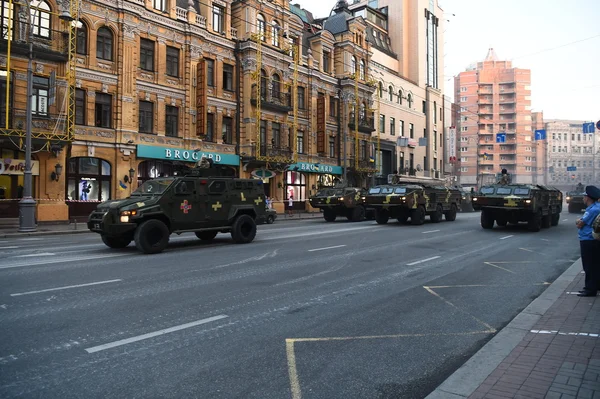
[(342, 201), (414, 198), (575, 201), (538, 205), (203, 201)]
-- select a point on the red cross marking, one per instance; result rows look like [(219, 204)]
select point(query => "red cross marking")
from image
[(185, 207)]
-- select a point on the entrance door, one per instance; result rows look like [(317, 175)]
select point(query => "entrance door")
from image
[(185, 210)]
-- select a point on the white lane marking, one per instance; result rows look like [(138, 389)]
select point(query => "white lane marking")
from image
[(504, 238), (50, 261), (544, 239), (555, 332), (323, 249), (32, 255), (65, 287), (154, 334), (431, 231), (565, 220), (30, 239), (9, 247), (422, 261)]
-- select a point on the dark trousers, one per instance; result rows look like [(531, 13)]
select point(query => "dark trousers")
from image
[(590, 257)]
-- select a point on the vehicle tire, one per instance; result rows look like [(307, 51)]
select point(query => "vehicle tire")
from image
[(535, 221), (402, 219), (152, 236), (358, 214), (329, 215), (487, 219), (546, 221), (417, 216), (437, 216), (502, 222), (451, 214), (555, 219), (270, 219), (243, 230), (382, 216), (116, 242), (206, 235)]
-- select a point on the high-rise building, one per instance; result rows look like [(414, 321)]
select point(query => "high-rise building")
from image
[(495, 123)]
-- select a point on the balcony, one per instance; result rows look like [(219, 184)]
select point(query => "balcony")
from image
[(486, 100), (365, 124), (274, 153), (272, 100), (363, 164)]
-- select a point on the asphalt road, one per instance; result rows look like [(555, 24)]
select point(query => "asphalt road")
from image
[(308, 310)]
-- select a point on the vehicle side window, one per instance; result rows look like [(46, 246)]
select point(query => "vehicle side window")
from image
[(185, 187), (217, 187)]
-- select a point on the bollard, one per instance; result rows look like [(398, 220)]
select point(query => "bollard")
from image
[(75, 220)]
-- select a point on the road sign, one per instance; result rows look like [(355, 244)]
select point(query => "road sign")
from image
[(500, 137), (571, 168), (540, 134), (588, 127)]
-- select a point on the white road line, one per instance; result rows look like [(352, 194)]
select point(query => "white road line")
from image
[(555, 332), (66, 287), (422, 261), (504, 238), (50, 261), (323, 249), (431, 231), (30, 239), (9, 247), (154, 334), (32, 255), (565, 220)]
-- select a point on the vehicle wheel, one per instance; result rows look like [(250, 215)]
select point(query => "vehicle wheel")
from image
[(451, 214), (546, 221), (555, 219), (116, 242), (382, 216), (436, 217), (329, 215), (403, 219), (243, 230), (206, 235), (417, 216), (535, 222), (270, 219), (502, 222), (358, 214), (487, 219), (152, 236)]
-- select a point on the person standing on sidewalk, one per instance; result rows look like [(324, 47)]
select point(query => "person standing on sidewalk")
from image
[(590, 248), (290, 205)]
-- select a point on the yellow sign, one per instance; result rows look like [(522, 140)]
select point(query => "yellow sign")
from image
[(217, 206), (242, 196), (328, 200), (258, 200), (387, 199)]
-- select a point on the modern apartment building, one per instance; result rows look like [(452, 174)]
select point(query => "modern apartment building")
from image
[(495, 122)]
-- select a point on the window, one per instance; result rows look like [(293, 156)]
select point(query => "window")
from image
[(434, 112), (263, 137), (331, 147), (263, 84), (464, 169), (463, 99), (80, 107), (210, 72), (332, 106), (400, 97), (463, 109), (227, 131), (463, 89), (160, 5), (227, 77), (390, 94), (146, 116), (218, 19), (172, 61), (103, 110), (410, 100), (464, 149), (104, 42), (435, 142), (464, 128), (5, 16), (362, 70), (326, 61), (380, 90), (276, 91), (172, 121), (424, 107), (295, 186), (353, 65), (393, 126), (88, 179), (210, 127), (301, 103), (147, 54), (40, 18), (411, 129), (300, 142), (401, 128), (275, 33), (382, 123), (276, 133), (261, 26), (81, 42), (363, 150), (39, 100)]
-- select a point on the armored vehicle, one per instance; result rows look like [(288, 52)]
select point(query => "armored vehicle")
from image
[(575, 201), (538, 205), (342, 201), (202, 201), (414, 198)]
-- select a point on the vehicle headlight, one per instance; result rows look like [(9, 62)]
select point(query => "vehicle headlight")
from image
[(125, 215), (475, 199), (568, 198), (403, 198), (124, 219), (528, 201), (341, 198), (364, 198), (464, 197)]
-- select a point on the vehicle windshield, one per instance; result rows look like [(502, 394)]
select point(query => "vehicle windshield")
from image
[(503, 190), (375, 190), (521, 191), (400, 190), (387, 190), (487, 190), (153, 187)]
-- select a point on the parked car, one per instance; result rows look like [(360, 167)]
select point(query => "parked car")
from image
[(269, 217)]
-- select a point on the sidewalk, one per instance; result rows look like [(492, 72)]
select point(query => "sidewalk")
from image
[(550, 350)]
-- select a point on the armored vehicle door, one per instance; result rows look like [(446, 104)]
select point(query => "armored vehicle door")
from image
[(185, 209), (218, 200)]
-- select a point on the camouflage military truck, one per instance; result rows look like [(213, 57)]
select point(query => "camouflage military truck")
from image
[(575, 201), (202, 201), (538, 205), (414, 198), (342, 201)]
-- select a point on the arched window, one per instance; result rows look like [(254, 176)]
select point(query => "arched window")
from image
[(276, 93), (88, 179), (263, 84), (410, 100), (82, 37), (363, 112), (362, 69), (40, 18), (261, 26), (391, 93), (380, 90), (353, 65), (275, 33), (399, 96), (104, 44)]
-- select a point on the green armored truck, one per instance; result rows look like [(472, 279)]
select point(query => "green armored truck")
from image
[(538, 205), (414, 198), (575, 201), (202, 201), (342, 201)]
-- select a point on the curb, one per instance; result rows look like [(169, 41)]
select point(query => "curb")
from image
[(473, 373)]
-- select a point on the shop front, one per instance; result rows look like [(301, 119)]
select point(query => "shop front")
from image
[(12, 167), (89, 182), (303, 179)]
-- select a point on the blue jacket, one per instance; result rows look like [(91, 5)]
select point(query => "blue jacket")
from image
[(591, 212)]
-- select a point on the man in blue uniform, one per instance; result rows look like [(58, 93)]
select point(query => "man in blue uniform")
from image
[(590, 248)]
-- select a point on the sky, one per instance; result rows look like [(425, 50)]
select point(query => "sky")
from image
[(558, 40)]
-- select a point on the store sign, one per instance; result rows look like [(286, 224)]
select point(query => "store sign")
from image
[(178, 154), (452, 145), (316, 168), (17, 167)]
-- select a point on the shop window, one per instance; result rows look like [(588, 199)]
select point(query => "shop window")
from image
[(88, 179), (295, 183), (151, 169)]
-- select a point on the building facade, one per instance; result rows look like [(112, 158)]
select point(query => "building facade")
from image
[(495, 122)]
